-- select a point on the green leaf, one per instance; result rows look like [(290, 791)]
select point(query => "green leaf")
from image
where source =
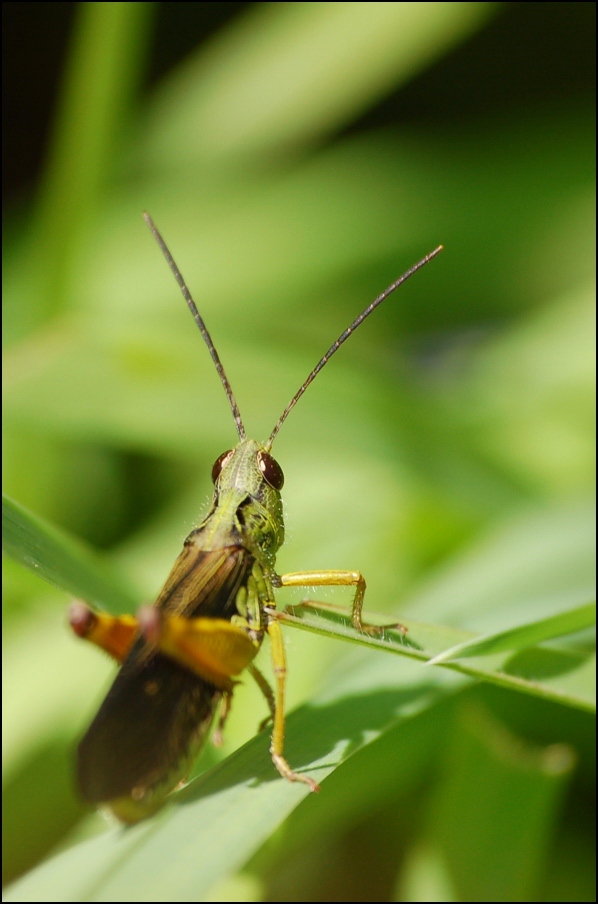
[(523, 635), (62, 560), (215, 824), (564, 676), (531, 565), (287, 73), (102, 75), (491, 816)]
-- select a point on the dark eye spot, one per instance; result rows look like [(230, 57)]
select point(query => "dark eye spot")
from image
[(219, 464), (271, 470)]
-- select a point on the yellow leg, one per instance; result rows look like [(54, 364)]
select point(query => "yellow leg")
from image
[(338, 579), (213, 648), (280, 672), (113, 635)]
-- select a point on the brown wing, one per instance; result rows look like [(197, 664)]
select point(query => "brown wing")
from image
[(157, 713), (147, 732), (205, 582)]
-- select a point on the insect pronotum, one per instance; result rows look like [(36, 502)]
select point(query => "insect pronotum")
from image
[(180, 656)]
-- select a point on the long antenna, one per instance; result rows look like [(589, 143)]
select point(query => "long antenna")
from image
[(202, 327), (350, 329)]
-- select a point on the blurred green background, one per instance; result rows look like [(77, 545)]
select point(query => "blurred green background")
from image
[(297, 158)]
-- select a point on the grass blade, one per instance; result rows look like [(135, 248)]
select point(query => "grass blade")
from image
[(522, 636), (61, 560), (564, 676), (214, 825)]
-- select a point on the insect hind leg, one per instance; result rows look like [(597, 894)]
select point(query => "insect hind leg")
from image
[(113, 634)]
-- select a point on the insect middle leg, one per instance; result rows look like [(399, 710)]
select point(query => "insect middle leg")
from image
[(266, 691), (338, 579), (227, 701)]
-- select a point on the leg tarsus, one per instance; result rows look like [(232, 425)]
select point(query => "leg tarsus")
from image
[(362, 627), (380, 629), (286, 772)]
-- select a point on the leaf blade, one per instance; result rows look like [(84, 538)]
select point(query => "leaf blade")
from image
[(548, 673), (61, 560), (214, 825), (522, 636)]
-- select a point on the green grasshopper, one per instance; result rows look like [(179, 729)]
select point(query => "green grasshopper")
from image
[(179, 657)]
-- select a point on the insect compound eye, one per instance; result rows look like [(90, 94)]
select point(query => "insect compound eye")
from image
[(219, 464), (271, 470)]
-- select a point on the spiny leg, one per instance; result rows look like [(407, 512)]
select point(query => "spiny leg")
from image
[(338, 579), (277, 746)]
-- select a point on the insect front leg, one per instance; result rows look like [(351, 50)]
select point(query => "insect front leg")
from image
[(338, 579), (279, 665)]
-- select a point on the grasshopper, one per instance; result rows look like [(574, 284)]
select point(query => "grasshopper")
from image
[(179, 658)]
